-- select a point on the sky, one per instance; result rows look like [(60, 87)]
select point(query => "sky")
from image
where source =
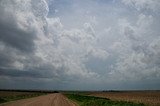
[(80, 44)]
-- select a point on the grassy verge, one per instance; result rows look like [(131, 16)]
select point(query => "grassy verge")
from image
[(83, 100), (17, 97)]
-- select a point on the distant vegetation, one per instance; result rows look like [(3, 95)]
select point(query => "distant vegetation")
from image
[(83, 100)]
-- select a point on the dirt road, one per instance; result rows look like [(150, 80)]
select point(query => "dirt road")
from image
[(56, 99)]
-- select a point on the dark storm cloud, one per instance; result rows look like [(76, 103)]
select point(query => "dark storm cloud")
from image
[(30, 73), (12, 35), (17, 38), (79, 44), (5, 57)]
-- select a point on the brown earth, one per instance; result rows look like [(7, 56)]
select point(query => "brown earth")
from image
[(149, 98), (14, 93), (56, 99)]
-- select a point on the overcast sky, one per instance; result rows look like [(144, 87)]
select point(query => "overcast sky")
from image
[(80, 44)]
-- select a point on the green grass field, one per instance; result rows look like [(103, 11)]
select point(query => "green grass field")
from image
[(83, 100)]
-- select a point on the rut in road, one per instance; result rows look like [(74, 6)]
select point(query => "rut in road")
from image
[(56, 99)]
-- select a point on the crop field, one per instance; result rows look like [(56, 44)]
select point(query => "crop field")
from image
[(149, 98), (83, 100)]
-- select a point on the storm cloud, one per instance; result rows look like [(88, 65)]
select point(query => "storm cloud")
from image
[(84, 45)]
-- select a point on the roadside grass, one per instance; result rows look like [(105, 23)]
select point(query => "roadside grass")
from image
[(83, 100), (18, 97)]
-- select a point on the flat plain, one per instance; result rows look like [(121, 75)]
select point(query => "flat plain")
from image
[(149, 98), (54, 99), (13, 93), (80, 98), (7, 96)]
